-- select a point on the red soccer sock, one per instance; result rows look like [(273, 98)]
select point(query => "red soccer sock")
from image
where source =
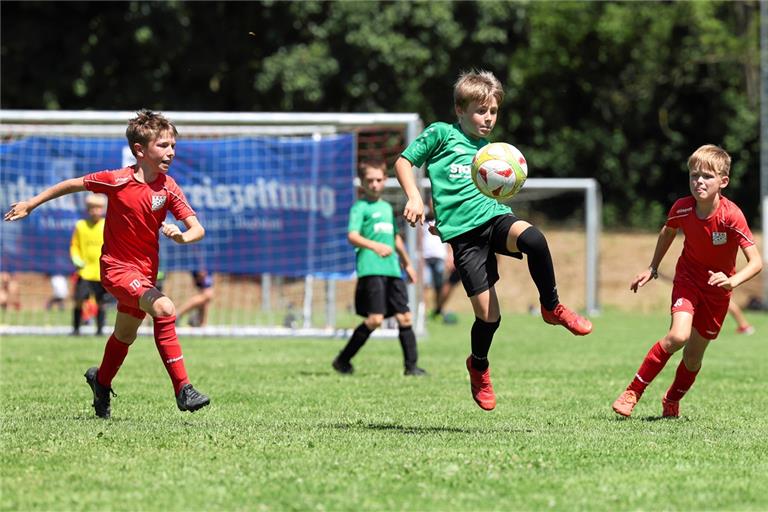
[(170, 351), (114, 355), (653, 363), (683, 381)]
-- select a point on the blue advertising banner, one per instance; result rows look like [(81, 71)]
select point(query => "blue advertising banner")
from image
[(269, 205)]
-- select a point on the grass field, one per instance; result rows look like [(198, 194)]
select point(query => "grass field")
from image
[(284, 432)]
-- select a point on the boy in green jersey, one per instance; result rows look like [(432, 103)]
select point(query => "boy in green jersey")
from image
[(478, 227), (380, 291)]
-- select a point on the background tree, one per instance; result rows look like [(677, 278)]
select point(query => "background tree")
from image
[(620, 91)]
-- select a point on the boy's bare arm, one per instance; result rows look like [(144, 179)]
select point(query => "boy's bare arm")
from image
[(194, 232), (360, 241), (21, 209), (414, 207), (666, 237)]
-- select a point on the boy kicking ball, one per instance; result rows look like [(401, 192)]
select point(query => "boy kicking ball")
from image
[(139, 196)]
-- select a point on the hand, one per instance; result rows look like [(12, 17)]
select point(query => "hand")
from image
[(17, 211), (720, 280), (173, 232), (640, 280), (411, 273), (382, 250), (433, 230), (414, 211)]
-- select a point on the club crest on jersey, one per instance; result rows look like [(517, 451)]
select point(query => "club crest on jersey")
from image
[(157, 202), (719, 238)]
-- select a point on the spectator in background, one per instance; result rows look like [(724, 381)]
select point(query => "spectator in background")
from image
[(59, 292), (85, 251), (436, 257), (9, 292), (198, 304)]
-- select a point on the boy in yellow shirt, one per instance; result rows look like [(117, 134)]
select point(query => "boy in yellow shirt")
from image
[(85, 251)]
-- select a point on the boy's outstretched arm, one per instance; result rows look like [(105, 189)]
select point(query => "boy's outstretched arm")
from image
[(405, 261), (194, 232), (414, 208), (21, 209), (666, 237)]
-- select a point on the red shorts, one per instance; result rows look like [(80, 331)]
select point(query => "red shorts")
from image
[(708, 310), (127, 285)]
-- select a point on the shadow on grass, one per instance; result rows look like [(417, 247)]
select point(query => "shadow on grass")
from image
[(411, 429)]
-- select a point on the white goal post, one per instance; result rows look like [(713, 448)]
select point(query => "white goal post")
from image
[(318, 305)]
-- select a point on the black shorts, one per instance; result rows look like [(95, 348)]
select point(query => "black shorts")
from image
[(381, 295), (84, 289), (474, 253)]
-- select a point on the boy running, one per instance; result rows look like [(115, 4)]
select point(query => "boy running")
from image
[(478, 227), (139, 196), (380, 291), (714, 229)]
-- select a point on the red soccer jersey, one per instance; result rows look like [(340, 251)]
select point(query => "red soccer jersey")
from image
[(711, 243), (134, 216)]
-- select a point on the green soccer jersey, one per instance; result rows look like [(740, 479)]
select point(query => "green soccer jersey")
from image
[(448, 153), (375, 220)]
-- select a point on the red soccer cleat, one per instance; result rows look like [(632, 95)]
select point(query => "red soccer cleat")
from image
[(625, 403), (571, 320), (747, 330), (669, 409), (482, 389)]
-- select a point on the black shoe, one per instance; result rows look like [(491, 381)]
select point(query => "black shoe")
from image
[(190, 399), (415, 372), (342, 367), (101, 395)]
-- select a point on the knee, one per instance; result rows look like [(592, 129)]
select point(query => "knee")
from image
[(163, 307), (126, 336), (532, 241), (674, 342), (374, 321), (404, 319)]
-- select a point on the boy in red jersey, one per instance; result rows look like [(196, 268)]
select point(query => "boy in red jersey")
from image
[(714, 229), (140, 196)]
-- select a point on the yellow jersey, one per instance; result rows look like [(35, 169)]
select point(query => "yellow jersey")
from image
[(85, 248)]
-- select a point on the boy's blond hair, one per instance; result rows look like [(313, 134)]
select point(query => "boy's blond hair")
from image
[(375, 163), (146, 127), (711, 157), (478, 86)]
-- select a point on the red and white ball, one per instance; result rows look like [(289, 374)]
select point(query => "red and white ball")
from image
[(499, 170)]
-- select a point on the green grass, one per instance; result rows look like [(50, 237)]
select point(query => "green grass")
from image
[(286, 433)]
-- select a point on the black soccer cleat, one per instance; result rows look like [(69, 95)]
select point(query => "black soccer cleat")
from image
[(190, 399), (415, 372), (345, 368), (101, 394)]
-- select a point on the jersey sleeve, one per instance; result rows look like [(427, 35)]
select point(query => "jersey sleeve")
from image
[(738, 224), (423, 146), (177, 202), (355, 218), (674, 217), (101, 182)]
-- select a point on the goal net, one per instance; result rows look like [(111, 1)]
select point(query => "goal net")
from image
[(273, 191)]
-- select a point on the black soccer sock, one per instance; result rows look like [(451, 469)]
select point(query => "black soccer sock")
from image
[(77, 314), (482, 337), (408, 344), (532, 242), (355, 343), (100, 319)]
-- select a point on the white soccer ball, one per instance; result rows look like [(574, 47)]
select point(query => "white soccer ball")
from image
[(499, 170)]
